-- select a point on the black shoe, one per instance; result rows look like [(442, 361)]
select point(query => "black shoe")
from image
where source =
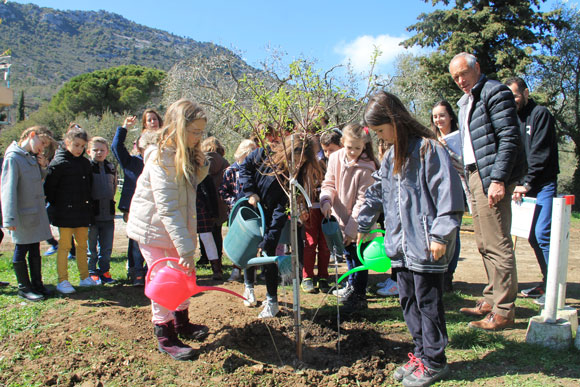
[(355, 303), (323, 285), (203, 261), (25, 289), (35, 264)]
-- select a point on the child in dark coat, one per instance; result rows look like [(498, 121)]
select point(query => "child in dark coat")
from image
[(68, 188)]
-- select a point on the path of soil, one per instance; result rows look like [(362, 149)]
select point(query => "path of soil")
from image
[(96, 341)]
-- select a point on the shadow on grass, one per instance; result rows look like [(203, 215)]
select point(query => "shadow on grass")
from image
[(508, 357)]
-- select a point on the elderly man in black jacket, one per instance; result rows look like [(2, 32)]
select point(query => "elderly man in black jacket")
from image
[(494, 160)]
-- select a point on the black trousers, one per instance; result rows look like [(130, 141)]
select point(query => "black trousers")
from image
[(421, 297)]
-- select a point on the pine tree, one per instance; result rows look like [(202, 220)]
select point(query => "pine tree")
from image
[(21, 112), (502, 34)]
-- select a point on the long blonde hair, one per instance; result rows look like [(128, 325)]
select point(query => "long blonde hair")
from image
[(174, 135)]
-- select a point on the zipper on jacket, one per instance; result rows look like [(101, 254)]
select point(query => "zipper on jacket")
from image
[(401, 220), (426, 233)]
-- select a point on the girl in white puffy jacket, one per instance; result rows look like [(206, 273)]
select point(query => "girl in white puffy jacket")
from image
[(163, 213)]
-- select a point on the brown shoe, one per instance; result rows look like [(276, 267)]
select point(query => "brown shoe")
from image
[(481, 309), (492, 322)]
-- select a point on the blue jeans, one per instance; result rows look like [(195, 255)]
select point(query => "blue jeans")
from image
[(541, 225), (136, 266), (358, 279), (101, 235)]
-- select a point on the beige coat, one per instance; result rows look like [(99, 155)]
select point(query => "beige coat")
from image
[(163, 212), (344, 186)]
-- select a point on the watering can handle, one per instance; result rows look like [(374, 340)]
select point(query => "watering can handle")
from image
[(361, 242), (148, 277), (235, 208)]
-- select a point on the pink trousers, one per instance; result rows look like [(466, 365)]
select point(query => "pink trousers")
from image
[(160, 314)]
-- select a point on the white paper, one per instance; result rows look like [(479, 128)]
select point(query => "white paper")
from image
[(522, 217), (453, 141)]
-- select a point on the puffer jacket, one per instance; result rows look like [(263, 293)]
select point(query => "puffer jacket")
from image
[(495, 134), (23, 197), (421, 204), (163, 212), (344, 186), (68, 188)]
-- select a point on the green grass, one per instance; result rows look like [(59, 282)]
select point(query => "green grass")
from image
[(477, 358)]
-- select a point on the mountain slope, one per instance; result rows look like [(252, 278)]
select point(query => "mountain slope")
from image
[(51, 46)]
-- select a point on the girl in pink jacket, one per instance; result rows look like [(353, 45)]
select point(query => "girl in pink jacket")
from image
[(347, 178), (163, 213)]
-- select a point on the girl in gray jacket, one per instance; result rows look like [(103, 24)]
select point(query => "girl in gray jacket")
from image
[(420, 194), (23, 208)]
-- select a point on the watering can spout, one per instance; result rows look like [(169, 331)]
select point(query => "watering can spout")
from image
[(374, 257)]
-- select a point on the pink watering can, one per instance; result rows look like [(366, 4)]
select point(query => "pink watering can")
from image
[(170, 286)]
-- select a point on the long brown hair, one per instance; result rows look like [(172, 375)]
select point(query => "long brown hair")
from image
[(386, 108), (452, 117), (174, 134), (305, 150)]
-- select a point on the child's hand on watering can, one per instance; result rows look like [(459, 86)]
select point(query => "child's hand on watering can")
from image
[(326, 210), (347, 240), (362, 236), (253, 200), (187, 262), (437, 249)]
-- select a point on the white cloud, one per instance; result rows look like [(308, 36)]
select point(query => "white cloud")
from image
[(359, 51)]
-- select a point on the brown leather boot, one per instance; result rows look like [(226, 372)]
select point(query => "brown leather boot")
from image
[(216, 267), (481, 309), (492, 322)]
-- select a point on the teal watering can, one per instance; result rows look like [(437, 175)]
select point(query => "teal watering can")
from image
[(246, 231), (375, 257), (171, 286)]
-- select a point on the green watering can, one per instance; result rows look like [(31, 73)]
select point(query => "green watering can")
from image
[(375, 257), (246, 231)]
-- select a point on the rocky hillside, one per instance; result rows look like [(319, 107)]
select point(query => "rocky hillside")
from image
[(50, 46)]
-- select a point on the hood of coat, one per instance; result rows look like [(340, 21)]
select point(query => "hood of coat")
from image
[(217, 163), (63, 154), (14, 148), (360, 163)]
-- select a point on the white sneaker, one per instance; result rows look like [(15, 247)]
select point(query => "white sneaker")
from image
[(236, 275), (392, 289), (250, 298), (65, 287), (342, 292), (88, 282), (270, 309)]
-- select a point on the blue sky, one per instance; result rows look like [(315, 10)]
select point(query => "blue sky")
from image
[(329, 31)]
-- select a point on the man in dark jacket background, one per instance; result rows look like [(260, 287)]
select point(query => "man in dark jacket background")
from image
[(538, 131), (494, 161)]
